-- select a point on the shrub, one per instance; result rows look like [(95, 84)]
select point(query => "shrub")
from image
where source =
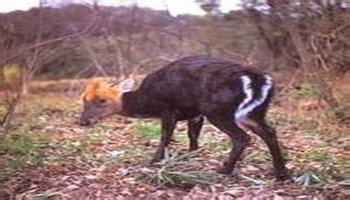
[(12, 75)]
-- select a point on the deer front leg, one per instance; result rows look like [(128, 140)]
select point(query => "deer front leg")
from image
[(167, 130)]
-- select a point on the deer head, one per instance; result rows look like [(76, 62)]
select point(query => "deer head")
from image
[(102, 99)]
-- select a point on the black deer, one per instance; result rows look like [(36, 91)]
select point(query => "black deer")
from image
[(231, 96)]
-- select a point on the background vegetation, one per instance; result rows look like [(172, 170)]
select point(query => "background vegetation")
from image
[(48, 53)]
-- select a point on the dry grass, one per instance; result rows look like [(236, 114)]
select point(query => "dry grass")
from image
[(47, 155)]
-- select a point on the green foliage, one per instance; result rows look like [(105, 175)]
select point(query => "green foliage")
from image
[(301, 91), (330, 166), (313, 132), (2, 109), (147, 130), (188, 178), (21, 149), (311, 127), (176, 170), (181, 137), (320, 155), (277, 118), (214, 143), (12, 74), (95, 132), (258, 156)]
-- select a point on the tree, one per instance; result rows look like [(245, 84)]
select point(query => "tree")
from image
[(298, 21)]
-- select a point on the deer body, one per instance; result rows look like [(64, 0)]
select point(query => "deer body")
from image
[(230, 96), (191, 87)]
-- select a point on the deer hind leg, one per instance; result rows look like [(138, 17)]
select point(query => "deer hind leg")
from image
[(268, 134), (239, 140), (194, 129)]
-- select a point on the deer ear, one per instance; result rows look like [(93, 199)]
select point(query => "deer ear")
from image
[(127, 85)]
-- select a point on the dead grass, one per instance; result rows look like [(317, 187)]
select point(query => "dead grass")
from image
[(47, 155)]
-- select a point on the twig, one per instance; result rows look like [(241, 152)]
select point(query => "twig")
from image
[(255, 181), (50, 41), (12, 103)]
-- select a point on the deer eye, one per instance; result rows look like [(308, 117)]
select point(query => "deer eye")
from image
[(102, 101)]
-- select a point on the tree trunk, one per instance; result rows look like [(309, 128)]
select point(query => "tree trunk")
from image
[(12, 100), (25, 81)]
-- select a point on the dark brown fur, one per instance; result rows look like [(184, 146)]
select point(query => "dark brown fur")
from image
[(198, 86)]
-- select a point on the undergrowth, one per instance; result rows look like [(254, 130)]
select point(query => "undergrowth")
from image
[(147, 130), (20, 149), (34, 139)]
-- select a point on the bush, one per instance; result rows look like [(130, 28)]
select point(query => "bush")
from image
[(12, 74)]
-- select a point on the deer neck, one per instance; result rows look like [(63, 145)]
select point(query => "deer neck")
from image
[(134, 104)]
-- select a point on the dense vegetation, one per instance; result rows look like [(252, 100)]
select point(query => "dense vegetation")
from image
[(120, 37)]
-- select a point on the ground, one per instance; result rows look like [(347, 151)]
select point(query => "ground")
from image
[(47, 155)]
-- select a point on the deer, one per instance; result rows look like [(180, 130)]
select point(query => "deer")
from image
[(231, 96)]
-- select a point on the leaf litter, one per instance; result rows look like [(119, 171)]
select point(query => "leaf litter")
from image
[(109, 160)]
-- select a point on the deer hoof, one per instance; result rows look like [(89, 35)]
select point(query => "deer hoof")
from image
[(282, 177), (193, 148), (156, 158), (224, 170), (152, 162)]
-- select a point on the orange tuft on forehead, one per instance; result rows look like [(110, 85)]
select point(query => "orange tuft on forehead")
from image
[(99, 89)]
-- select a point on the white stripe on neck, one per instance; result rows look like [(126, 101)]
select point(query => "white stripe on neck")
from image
[(249, 104)]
